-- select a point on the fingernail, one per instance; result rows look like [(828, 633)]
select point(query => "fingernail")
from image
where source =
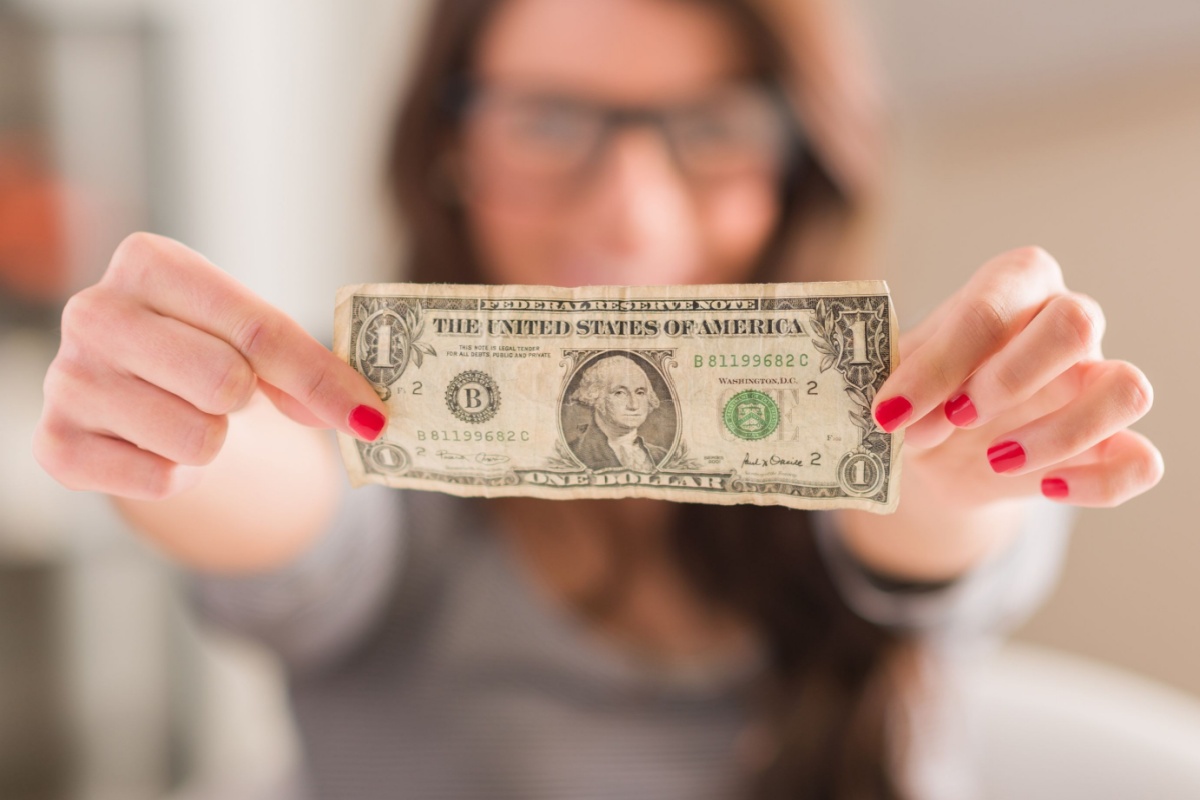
[(1006, 456), (891, 413), (961, 411), (366, 422), (1054, 488)]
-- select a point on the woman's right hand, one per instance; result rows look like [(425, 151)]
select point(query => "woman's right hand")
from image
[(157, 355)]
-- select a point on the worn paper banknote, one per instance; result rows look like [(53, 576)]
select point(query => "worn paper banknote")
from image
[(713, 394)]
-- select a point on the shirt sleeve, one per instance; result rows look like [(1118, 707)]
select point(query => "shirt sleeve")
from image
[(317, 606), (990, 599)]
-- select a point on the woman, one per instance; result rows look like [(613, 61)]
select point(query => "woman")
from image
[(442, 647)]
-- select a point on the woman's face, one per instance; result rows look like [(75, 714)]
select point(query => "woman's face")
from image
[(682, 189)]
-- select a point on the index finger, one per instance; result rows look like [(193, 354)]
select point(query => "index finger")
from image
[(997, 303), (177, 282)]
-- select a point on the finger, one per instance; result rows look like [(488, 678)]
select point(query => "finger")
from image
[(1116, 394), (933, 429), (1122, 467), (143, 415), (996, 304), (912, 340), (86, 461), (1065, 331), (180, 283), (201, 369)]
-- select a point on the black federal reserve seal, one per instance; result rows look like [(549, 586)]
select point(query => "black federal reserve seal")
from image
[(473, 396)]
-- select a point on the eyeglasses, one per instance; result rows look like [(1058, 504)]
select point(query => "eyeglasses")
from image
[(557, 140)]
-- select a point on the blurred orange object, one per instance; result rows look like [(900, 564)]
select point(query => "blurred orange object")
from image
[(33, 228)]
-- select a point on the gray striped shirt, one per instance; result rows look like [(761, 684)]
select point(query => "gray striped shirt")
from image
[(423, 664)]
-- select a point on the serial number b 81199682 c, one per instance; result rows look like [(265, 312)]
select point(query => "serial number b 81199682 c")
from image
[(464, 435), (751, 360)]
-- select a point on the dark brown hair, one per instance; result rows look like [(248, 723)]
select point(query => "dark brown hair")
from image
[(830, 702)]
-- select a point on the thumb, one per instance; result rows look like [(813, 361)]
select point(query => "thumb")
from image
[(290, 406), (366, 420)]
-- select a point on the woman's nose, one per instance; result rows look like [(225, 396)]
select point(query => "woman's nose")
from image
[(639, 199)]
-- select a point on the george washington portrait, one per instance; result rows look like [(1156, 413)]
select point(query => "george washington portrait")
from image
[(614, 415)]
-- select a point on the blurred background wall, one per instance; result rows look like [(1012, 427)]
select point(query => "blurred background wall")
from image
[(252, 129), (1075, 126)]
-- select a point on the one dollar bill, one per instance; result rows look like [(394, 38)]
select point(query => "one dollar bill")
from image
[(713, 394)]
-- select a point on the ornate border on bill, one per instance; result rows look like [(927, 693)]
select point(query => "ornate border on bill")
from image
[(720, 394)]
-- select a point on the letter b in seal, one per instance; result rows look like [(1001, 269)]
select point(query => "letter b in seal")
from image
[(473, 396)]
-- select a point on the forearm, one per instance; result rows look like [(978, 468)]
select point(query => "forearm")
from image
[(272, 490), (932, 536)]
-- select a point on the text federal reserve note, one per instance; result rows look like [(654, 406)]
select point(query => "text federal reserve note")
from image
[(713, 394)]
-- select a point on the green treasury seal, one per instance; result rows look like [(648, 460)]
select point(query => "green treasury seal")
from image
[(751, 415)]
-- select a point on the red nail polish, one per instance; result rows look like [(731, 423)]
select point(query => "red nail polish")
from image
[(1006, 456), (961, 411), (891, 413), (1054, 488), (366, 422)]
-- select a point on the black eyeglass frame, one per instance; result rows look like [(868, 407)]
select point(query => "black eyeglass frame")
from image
[(462, 93)]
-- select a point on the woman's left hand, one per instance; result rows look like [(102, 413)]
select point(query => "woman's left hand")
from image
[(1005, 393)]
